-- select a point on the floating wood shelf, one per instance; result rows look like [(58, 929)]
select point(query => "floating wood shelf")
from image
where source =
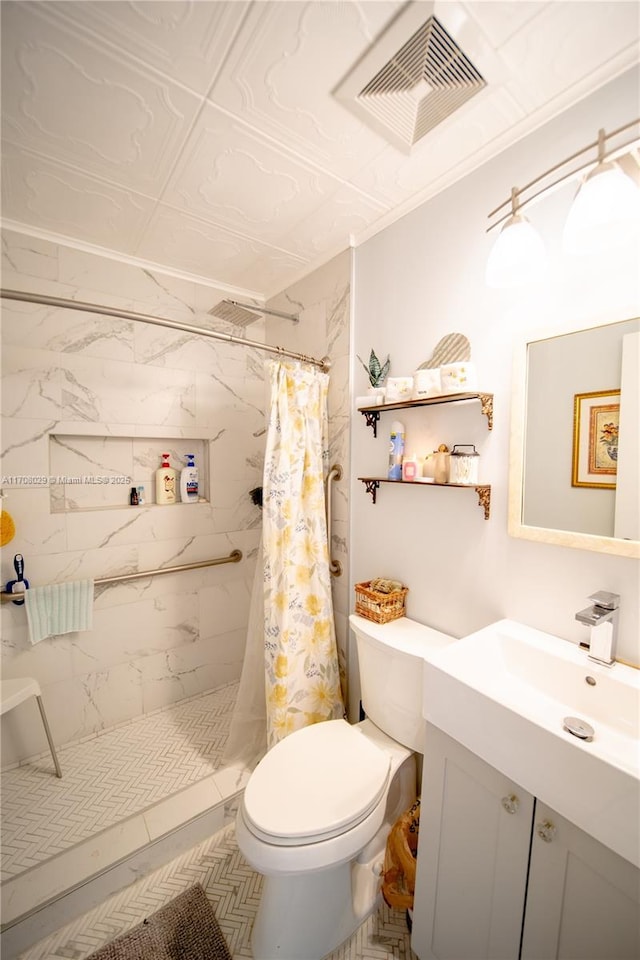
[(372, 413), (483, 490)]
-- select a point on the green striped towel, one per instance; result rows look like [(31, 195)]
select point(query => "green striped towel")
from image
[(59, 608)]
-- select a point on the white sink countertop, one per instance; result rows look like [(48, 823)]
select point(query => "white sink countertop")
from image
[(504, 692)]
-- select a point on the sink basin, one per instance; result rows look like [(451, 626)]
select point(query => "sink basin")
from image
[(504, 692)]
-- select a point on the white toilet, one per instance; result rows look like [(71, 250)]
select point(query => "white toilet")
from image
[(317, 809)]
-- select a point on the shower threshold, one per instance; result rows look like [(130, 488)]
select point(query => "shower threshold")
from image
[(131, 798)]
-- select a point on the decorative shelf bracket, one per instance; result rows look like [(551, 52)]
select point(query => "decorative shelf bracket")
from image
[(372, 417), (484, 499), (371, 486), (486, 405)]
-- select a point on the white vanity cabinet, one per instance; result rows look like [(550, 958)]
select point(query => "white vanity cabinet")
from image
[(501, 876), (583, 899), (471, 876)]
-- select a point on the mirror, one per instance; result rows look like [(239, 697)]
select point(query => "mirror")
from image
[(574, 455)]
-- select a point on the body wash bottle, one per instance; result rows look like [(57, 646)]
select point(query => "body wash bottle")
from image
[(189, 480), (166, 482)]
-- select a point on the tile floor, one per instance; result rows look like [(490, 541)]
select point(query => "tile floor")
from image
[(139, 772), (233, 890)]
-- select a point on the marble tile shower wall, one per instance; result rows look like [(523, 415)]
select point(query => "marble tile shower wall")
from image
[(133, 386)]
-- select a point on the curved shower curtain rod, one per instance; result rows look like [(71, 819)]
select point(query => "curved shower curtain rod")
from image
[(25, 297)]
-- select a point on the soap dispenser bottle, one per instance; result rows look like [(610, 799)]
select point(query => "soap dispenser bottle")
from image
[(166, 482), (189, 480)]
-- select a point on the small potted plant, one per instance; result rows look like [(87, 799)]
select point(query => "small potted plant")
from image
[(376, 372)]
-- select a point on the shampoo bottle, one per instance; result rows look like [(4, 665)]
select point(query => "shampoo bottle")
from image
[(189, 480), (166, 482), (396, 451)]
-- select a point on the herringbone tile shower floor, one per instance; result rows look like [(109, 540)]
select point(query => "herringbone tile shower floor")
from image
[(110, 777), (233, 890)]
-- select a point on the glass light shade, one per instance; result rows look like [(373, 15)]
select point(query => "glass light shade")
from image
[(605, 212), (518, 256)]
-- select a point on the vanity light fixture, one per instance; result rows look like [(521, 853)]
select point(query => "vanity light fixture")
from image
[(519, 255), (605, 211)]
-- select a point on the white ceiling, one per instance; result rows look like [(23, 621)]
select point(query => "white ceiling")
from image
[(205, 137)]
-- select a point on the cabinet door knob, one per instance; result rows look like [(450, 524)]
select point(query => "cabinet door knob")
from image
[(546, 831), (510, 803)]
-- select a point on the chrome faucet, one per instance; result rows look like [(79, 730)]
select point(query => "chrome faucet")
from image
[(602, 618)]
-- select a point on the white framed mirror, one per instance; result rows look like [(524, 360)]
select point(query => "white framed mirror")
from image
[(574, 460)]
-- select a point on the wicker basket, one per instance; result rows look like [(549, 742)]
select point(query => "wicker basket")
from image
[(381, 607)]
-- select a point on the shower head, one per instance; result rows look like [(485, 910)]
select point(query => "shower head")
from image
[(242, 314)]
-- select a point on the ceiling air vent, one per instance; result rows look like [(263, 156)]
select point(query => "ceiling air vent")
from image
[(422, 84)]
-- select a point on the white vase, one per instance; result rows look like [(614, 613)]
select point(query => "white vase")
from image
[(377, 392)]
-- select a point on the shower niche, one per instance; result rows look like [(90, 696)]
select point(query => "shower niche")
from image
[(89, 472)]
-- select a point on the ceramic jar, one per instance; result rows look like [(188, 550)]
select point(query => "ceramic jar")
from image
[(463, 464)]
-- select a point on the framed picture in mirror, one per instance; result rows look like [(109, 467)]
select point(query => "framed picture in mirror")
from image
[(596, 420)]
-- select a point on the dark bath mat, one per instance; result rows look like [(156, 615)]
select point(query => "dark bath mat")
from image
[(185, 929)]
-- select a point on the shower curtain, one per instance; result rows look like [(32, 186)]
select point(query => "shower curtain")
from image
[(247, 740), (290, 676), (301, 659)]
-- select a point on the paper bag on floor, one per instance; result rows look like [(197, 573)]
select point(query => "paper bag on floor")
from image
[(399, 879)]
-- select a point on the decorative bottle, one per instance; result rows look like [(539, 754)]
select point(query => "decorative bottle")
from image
[(441, 470)]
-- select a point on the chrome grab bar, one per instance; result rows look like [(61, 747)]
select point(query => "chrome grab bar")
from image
[(335, 473), (234, 557)]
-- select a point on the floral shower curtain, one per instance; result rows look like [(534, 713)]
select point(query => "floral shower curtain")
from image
[(301, 660), (247, 740)]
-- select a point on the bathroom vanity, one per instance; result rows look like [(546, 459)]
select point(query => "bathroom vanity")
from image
[(529, 837), (501, 875)]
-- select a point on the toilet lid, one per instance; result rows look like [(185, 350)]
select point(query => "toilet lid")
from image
[(314, 784)]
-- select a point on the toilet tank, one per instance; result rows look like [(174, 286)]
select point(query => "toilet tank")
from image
[(390, 658)]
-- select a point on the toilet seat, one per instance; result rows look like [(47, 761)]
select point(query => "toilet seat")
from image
[(315, 784)]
